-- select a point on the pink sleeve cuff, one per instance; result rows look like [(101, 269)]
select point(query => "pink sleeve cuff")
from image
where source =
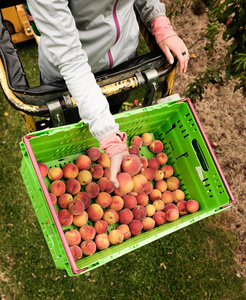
[(162, 29), (114, 143)]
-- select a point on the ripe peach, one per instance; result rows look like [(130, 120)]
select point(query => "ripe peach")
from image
[(84, 177), (76, 252), (57, 188), (55, 173), (172, 183), (92, 189), (116, 236), (73, 186), (156, 146), (117, 193), (131, 164), (130, 201), (96, 171), (70, 170), (153, 163), (83, 162), (125, 216), (95, 212), (170, 206), (148, 173), (73, 237), (102, 183), (136, 227), (126, 231), (137, 141), (167, 170), (93, 153), (64, 199), (88, 247), (87, 232), (117, 203), (102, 241), (192, 206), (139, 212), (101, 226), (107, 173), (84, 197), (146, 138), (125, 183), (155, 195), (150, 209), (159, 175), (181, 205), (76, 207), (144, 161), (65, 217), (80, 220), (148, 188), (103, 199), (133, 150), (111, 216), (104, 160), (53, 198), (179, 195), (142, 198), (161, 185), (43, 169), (162, 157), (159, 205), (167, 197), (159, 218), (139, 183), (109, 187), (172, 214), (148, 223)]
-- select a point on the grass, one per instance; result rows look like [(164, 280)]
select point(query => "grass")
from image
[(196, 262)]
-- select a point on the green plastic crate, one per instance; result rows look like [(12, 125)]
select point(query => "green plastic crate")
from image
[(189, 152)]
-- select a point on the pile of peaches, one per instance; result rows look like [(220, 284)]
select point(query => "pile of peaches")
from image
[(97, 214)]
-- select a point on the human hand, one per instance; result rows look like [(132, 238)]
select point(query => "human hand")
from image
[(115, 164)]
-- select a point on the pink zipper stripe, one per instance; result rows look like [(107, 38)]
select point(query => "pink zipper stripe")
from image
[(110, 57), (116, 21)]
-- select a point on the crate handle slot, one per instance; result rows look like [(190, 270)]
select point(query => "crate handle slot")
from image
[(200, 155)]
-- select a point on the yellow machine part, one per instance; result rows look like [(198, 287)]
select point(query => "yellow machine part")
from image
[(17, 24)]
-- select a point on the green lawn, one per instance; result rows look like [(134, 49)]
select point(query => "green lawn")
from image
[(196, 262)]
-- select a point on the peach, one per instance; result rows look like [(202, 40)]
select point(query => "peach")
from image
[(104, 160), (155, 195), (125, 216), (167, 170), (87, 232), (192, 206), (148, 223), (80, 220), (93, 153), (116, 237), (73, 237), (109, 187), (103, 199), (101, 226), (65, 217), (73, 186), (159, 205), (133, 150), (156, 146), (76, 252), (144, 161), (172, 183), (172, 214), (55, 173), (64, 199), (102, 241), (146, 138), (96, 171), (76, 207), (88, 247), (131, 164), (111, 216), (153, 163), (139, 183), (70, 170), (148, 188), (159, 218), (162, 157), (142, 198), (167, 197), (43, 169), (150, 210), (83, 162), (159, 175), (95, 212), (117, 193), (136, 227), (170, 206), (125, 183), (181, 205), (161, 185), (84, 197), (179, 195), (102, 183), (107, 172), (84, 177), (148, 173), (126, 231), (130, 201), (92, 189), (137, 141), (117, 203), (57, 188), (53, 199), (139, 212)]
